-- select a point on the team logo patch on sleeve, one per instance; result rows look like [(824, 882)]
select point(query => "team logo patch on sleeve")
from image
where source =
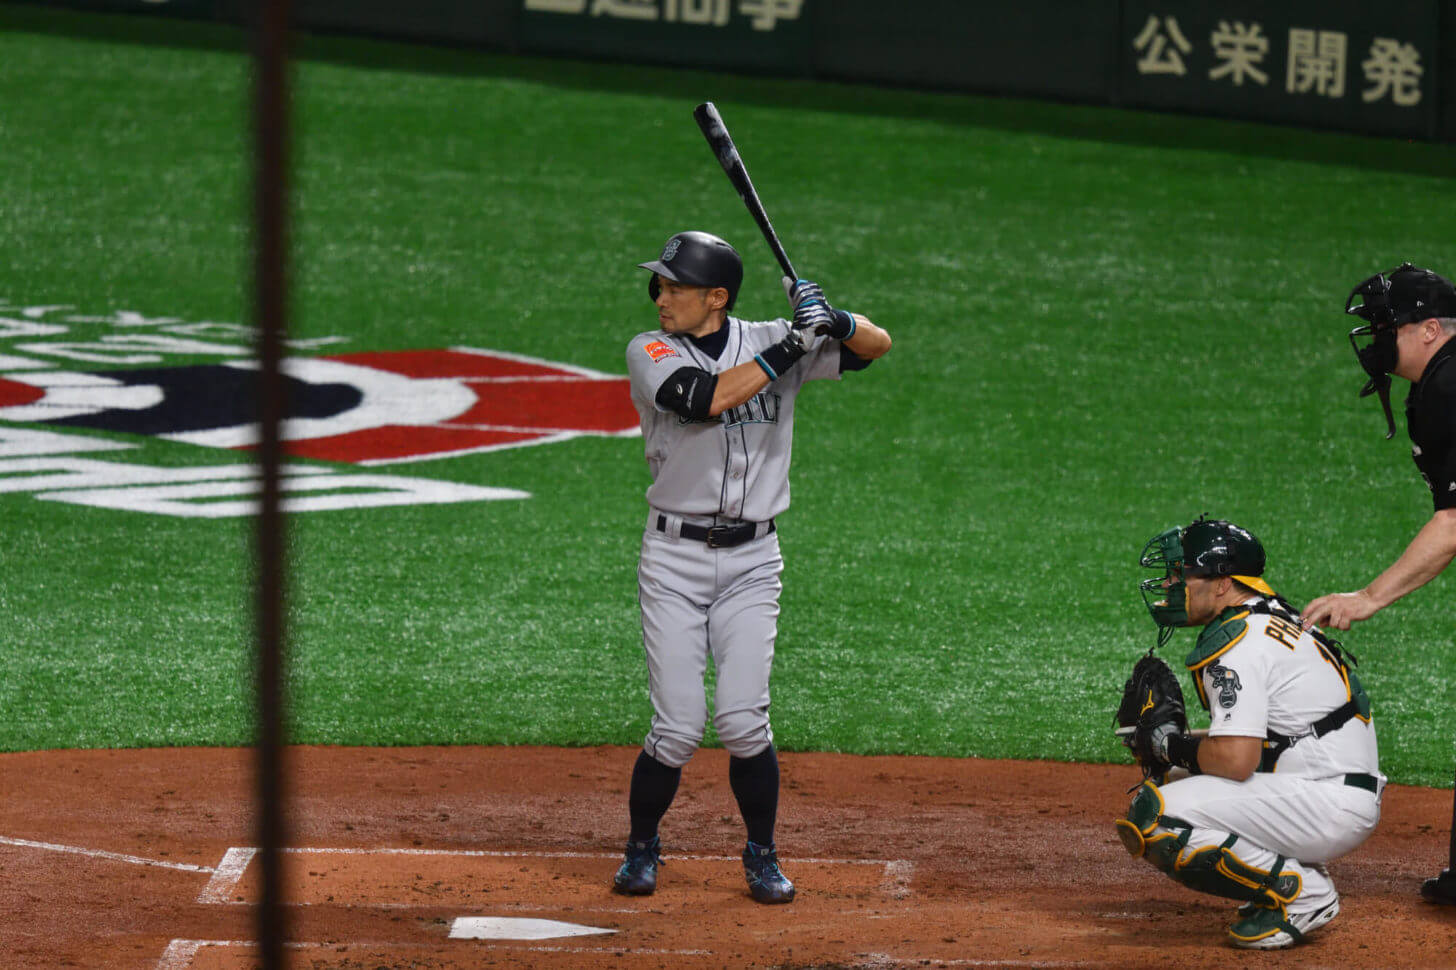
[(658, 350), (1226, 682)]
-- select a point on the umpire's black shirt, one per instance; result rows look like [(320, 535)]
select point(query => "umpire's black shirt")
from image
[(1430, 417)]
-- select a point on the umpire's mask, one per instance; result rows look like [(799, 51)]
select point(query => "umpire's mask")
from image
[(1406, 294)]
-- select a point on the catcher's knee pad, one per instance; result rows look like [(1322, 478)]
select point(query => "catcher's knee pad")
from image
[(1140, 830), (744, 733)]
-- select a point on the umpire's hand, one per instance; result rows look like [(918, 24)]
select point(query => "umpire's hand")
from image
[(1339, 610)]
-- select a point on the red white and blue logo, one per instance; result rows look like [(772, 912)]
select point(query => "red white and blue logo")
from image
[(364, 409), (65, 375)]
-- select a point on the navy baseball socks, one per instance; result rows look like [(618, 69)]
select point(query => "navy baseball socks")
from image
[(755, 783), (654, 785)]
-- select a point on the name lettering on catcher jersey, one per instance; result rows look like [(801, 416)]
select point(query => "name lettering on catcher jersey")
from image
[(1282, 631), (762, 408)]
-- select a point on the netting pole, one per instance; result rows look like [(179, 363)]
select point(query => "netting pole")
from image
[(270, 134)]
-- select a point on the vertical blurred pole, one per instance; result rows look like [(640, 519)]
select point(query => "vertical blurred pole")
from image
[(270, 132)]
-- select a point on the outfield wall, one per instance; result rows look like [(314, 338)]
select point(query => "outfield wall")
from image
[(1354, 65)]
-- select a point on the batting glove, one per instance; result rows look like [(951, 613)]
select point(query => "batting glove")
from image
[(811, 310)]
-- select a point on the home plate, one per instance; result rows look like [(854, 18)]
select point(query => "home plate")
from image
[(512, 928)]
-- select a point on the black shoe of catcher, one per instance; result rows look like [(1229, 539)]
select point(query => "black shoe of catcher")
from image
[(1441, 889), (637, 876)]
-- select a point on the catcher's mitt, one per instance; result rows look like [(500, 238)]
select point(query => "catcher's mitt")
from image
[(1151, 709)]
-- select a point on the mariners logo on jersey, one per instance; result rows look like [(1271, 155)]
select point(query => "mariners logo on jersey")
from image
[(1226, 682)]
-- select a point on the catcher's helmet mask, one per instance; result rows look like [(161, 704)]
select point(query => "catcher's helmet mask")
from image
[(698, 259), (1388, 301), (1206, 549)]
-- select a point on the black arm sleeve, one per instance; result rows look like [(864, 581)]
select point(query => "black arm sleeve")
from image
[(849, 360), (689, 392)]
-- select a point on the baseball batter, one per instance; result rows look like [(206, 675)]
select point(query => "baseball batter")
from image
[(716, 398), (1288, 776)]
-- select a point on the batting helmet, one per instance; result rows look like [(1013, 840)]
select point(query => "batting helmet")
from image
[(698, 259)]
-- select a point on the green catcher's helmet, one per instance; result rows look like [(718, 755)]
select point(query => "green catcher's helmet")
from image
[(1204, 548)]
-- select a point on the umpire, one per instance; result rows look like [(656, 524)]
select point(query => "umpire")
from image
[(1410, 316)]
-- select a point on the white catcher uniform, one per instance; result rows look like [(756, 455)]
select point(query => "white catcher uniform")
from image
[(1260, 675), (731, 474)]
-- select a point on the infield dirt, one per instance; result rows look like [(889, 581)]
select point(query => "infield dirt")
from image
[(119, 860)]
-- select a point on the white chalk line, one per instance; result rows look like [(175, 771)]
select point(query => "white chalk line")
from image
[(885, 960), (180, 953), (101, 854), (229, 872), (227, 875), (452, 905), (529, 853)]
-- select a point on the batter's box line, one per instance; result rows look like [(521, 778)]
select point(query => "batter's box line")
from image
[(884, 960), (229, 872), (180, 953), (102, 854)]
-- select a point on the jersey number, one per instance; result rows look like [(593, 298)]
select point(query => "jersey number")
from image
[(1282, 631)]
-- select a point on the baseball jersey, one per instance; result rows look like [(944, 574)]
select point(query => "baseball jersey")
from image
[(735, 465), (1260, 672), (1430, 419)]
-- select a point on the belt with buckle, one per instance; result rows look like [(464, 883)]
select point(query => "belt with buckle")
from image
[(718, 536)]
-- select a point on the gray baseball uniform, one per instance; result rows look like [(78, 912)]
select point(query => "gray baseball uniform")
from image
[(697, 598)]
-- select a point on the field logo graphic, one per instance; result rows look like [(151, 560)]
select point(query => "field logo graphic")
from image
[(363, 409)]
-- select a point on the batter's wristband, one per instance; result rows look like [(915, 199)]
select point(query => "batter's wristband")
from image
[(844, 324), (776, 360), (1183, 752)]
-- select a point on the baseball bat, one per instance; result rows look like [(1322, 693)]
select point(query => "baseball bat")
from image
[(721, 142)]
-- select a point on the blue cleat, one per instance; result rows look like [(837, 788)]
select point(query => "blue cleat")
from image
[(637, 875), (766, 881)]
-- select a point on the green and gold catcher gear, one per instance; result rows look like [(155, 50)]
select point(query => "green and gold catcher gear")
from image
[(1204, 548)]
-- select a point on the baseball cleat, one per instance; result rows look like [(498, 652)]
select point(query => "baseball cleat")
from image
[(1274, 928), (1440, 889), (637, 876), (766, 881)]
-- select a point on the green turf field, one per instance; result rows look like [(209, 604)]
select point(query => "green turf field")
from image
[(1105, 323)]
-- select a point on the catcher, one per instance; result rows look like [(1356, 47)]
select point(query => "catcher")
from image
[(1286, 777)]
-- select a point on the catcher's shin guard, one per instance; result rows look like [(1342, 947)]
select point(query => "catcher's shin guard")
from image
[(1162, 840)]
